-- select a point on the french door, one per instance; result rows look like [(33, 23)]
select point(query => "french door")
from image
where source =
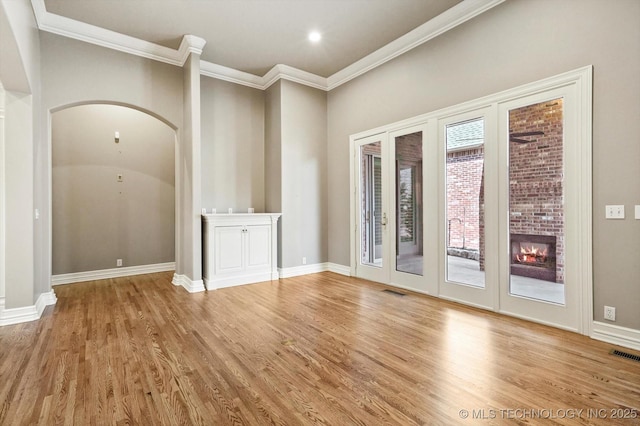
[(487, 203), (541, 194), (468, 208), (372, 209), (389, 212)]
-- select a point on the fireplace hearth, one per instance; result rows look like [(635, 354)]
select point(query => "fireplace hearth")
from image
[(534, 256)]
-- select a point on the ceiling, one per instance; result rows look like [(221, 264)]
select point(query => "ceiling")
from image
[(254, 35)]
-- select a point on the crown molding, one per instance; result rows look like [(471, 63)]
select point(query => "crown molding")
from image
[(278, 72), (285, 72), (56, 24), (188, 45), (451, 18), (232, 75), (88, 33)]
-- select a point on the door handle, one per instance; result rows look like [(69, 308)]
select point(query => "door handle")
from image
[(383, 221)]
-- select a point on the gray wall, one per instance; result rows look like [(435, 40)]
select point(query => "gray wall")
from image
[(77, 72), (296, 170), (20, 76), (303, 174), (19, 230), (97, 219), (518, 42), (232, 146)]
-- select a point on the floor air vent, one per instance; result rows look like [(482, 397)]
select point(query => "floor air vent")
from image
[(397, 293), (625, 355)]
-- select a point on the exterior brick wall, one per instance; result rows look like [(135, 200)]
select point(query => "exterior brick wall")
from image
[(536, 175), (464, 181)]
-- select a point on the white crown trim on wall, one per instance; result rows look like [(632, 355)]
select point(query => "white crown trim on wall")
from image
[(71, 28), (88, 33), (220, 72), (285, 72), (449, 19)]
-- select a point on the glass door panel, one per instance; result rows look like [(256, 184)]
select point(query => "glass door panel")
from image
[(372, 209), (371, 200), (468, 212), (408, 195), (545, 206), (465, 202), (536, 201)]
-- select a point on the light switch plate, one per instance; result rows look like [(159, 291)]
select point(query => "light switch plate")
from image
[(614, 212), (637, 212)]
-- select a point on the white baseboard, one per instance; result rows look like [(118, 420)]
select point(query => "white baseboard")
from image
[(235, 280), (26, 313), (190, 285), (297, 271), (45, 299), (339, 269), (614, 334), (111, 273)]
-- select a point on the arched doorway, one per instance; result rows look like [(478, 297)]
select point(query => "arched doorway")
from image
[(113, 194)]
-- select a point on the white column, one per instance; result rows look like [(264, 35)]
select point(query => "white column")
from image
[(189, 253)]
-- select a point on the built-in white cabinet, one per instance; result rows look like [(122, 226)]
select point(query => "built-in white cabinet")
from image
[(239, 248)]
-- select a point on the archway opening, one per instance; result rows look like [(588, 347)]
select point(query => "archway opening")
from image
[(113, 191)]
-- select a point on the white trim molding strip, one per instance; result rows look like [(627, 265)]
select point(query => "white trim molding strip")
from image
[(191, 286), (111, 273), (26, 313), (297, 271), (451, 18), (614, 334), (88, 33)]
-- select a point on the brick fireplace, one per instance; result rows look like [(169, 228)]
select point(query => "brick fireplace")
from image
[(534, 256), (536, 202), (536, 189)]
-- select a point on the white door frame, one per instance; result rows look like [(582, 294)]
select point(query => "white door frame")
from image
[(577, 202), (579, 83), (399, 278), (375, 273)]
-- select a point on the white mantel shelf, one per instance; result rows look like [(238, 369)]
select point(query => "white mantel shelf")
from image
[(239, 248)]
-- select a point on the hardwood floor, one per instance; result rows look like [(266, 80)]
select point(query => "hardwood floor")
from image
[(321, 348)]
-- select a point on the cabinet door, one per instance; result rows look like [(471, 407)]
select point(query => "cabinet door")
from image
[(229, 249), (258, 250)]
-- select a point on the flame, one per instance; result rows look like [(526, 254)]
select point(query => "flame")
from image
[(532, 255)]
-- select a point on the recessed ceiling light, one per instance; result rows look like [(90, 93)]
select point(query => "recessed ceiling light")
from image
[(315, 36)]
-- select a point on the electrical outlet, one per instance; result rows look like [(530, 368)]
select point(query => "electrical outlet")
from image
[(610, 313), (614, 212), (118, 262), (304, 260)]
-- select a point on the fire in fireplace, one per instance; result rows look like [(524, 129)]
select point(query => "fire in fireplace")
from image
[(534, 256)]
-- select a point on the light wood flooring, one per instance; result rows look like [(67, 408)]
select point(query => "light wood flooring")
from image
[(321, 349)]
